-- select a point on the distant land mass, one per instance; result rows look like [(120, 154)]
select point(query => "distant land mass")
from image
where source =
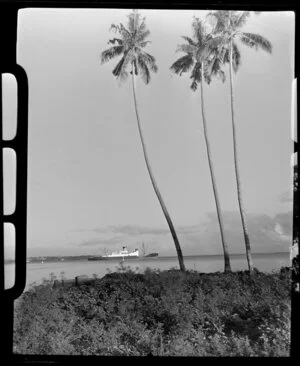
[(73, 258)]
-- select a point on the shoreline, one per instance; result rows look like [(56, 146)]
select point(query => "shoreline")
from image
[(85, 258)]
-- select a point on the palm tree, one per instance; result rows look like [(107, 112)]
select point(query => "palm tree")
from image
[(131, 46), (227, 30), (203, 62)]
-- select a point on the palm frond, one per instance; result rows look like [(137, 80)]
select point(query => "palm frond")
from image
[(144, 44), (194, 85), (223, 54), (256, 41), (226, 58), (207, 73), (141, 36), (222, 76), (149, 60), (123, 31), (118, 68), (196, 72), (212, 20), (189, 40), (120, 71), (110, 53), (236, 57), (141, 26), (186, 48), (214, 69), (133, 21), (219, 20), (129, 58), (198, 30), (240, 18), (215, 66), (143, 69), (116, 40), (217, 41), (202, 53), (116, 28), (183, 64)]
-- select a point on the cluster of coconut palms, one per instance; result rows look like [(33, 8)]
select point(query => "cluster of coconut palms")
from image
[(213, 45)]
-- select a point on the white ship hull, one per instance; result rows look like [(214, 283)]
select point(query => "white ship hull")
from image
[(123, 254)]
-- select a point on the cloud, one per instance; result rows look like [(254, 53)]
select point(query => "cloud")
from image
[(285, 220), (134, 230), (190, 230), (267, 234), (279, 230), (286, 197), (205, 238), (101, 242)]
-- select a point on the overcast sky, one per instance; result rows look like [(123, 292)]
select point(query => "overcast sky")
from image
[(88, 187)]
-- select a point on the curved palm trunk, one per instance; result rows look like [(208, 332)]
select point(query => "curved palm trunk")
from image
[(160, 199), (227, 267), (238, 182)]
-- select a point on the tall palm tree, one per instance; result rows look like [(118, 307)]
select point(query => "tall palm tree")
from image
[(203, 62), (227, 31), (130, 46)]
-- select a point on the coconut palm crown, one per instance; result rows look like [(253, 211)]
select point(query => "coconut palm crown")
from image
[(130, 45), (199, 52), (227, 30)]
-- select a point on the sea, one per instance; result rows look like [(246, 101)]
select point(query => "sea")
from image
[(36, 273)]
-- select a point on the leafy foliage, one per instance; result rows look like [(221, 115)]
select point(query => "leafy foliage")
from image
[(200, 54), (227, 30), (166, 313), (130, 45)]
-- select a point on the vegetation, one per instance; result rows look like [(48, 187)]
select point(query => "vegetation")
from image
[(226, 33), (163, 313), (203, 61), (131, 46)]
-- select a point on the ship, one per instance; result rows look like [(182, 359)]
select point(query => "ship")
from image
[(95, 258), (151, 255), (122, 254)]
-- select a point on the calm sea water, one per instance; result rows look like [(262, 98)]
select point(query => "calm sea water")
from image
[(36, 272)]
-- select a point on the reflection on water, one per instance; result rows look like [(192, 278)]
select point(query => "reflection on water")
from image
[(36, 272)]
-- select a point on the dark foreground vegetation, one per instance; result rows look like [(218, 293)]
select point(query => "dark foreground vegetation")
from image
[(165, 313)]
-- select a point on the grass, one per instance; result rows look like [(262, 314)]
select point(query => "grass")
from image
[(163, 313)]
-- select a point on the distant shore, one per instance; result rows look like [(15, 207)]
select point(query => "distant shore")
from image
[(55, 259)]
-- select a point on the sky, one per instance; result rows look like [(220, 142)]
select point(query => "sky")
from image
[(88, 186)]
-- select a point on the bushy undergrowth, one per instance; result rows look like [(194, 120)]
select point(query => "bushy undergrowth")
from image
[(164, 313)]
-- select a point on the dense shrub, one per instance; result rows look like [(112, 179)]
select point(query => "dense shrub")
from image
[(159, 312)]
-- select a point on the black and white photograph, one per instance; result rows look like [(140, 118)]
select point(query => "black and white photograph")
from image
[(161, 182)]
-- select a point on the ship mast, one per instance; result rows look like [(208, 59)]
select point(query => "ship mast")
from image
[(144, 249)]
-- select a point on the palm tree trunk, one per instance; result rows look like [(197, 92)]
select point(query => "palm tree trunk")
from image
[(238, 182), (227, 267), (154, 184)]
